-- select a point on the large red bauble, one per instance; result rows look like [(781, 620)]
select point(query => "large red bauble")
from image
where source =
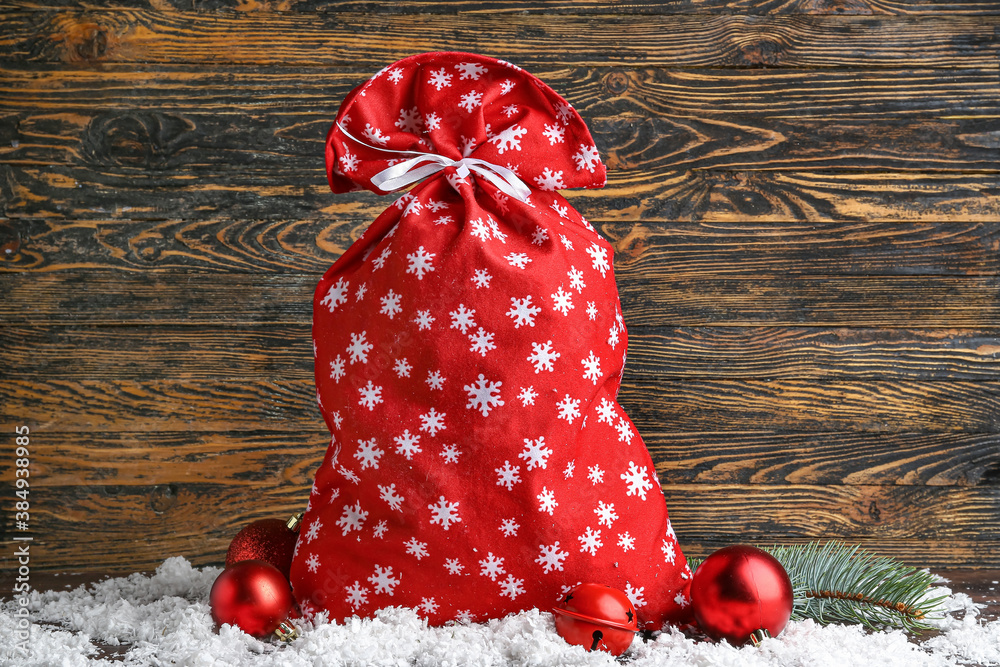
[(269, 540), (739, 590), (597, 617), (252, 595)]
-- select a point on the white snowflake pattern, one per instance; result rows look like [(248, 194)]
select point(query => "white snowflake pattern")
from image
[(402, 368), (432, 121), (371, 395), (395, 75), (368, 454), (420, 262), (491, 566), (591, 310), (410, 120), (509, 527), (606, 514), (348, 162), (432, 422), (606, 412), (470, 100), (390, 304), (550, 181), (435, 380), (561, 211), (380, 529), (569, 408), (636, 480), (669, 553), (564, 112), (511, 587), (522, 311), (481, 278), (635, 595), (527, 396), (453, 566), (470, 71), (480, 229), (510, 110), (357, 595), (313, 532), (543, 356), (379, 261), (554, 133), (428, 606), (337, 369), (440, 79), (518, 259), (416, 548), (566, 241), (539, 236), (383, 581), (590, 541), (551, 557), (360, 293), (626, 541), (576, 279), (547, 501), (312, 563), (481, 341), (562, 301), (444, 513), (569, 469), (423, 320), (535, 453), (595, 475), (506, 86), (374, 135), (613, 336), (508, 475), (352, 518), (509, 138), (359, 348), (599, 258), (587, 158), (462, 318), (591, 368), (336, 295), (481, 395), (681, 600), (389, 495), (625, 433), (468, 144), (450, 453), (407, 444)]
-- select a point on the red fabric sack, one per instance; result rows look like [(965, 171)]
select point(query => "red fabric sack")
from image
[(469, 350)]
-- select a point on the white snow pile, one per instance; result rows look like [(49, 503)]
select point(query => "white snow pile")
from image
[(164, 619)]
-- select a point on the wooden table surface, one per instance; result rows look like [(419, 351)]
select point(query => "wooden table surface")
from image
[(803, 197)]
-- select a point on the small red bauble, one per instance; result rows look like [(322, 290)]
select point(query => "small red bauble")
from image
[(738, 591), (252, 595), (269, 540), (597, 617)]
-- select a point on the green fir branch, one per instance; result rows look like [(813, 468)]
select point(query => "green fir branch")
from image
[(838, 583)]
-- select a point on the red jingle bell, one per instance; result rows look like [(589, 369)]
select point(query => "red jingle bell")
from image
[(597, 617), (269, 540), (740, 594), (255, 597)]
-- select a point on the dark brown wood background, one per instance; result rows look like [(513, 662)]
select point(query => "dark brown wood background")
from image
[(804, 197)]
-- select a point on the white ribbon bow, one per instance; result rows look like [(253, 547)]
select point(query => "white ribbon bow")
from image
[(422, 165)]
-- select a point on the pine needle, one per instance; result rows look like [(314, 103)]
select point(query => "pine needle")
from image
[(838, 583)]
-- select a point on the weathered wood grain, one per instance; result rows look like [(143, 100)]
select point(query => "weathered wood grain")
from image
[(199, 298), (878, 406), (642, 249), (198, 520), (400, 9), (752, 458), (253, 459), (345, 39), (212, 352)]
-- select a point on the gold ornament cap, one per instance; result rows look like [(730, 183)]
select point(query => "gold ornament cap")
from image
[(286, 632), (294, 521), (757, 636)]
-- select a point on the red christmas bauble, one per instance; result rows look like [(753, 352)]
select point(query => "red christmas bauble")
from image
[(252, 595), (739, 590), (269, 540), (597, 617)]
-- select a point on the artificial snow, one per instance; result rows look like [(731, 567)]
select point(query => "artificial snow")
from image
[(164, 619)]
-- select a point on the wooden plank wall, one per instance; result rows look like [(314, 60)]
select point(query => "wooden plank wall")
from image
[(804, 197)]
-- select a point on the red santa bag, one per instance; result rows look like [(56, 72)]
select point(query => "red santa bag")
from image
[(469, 350)]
